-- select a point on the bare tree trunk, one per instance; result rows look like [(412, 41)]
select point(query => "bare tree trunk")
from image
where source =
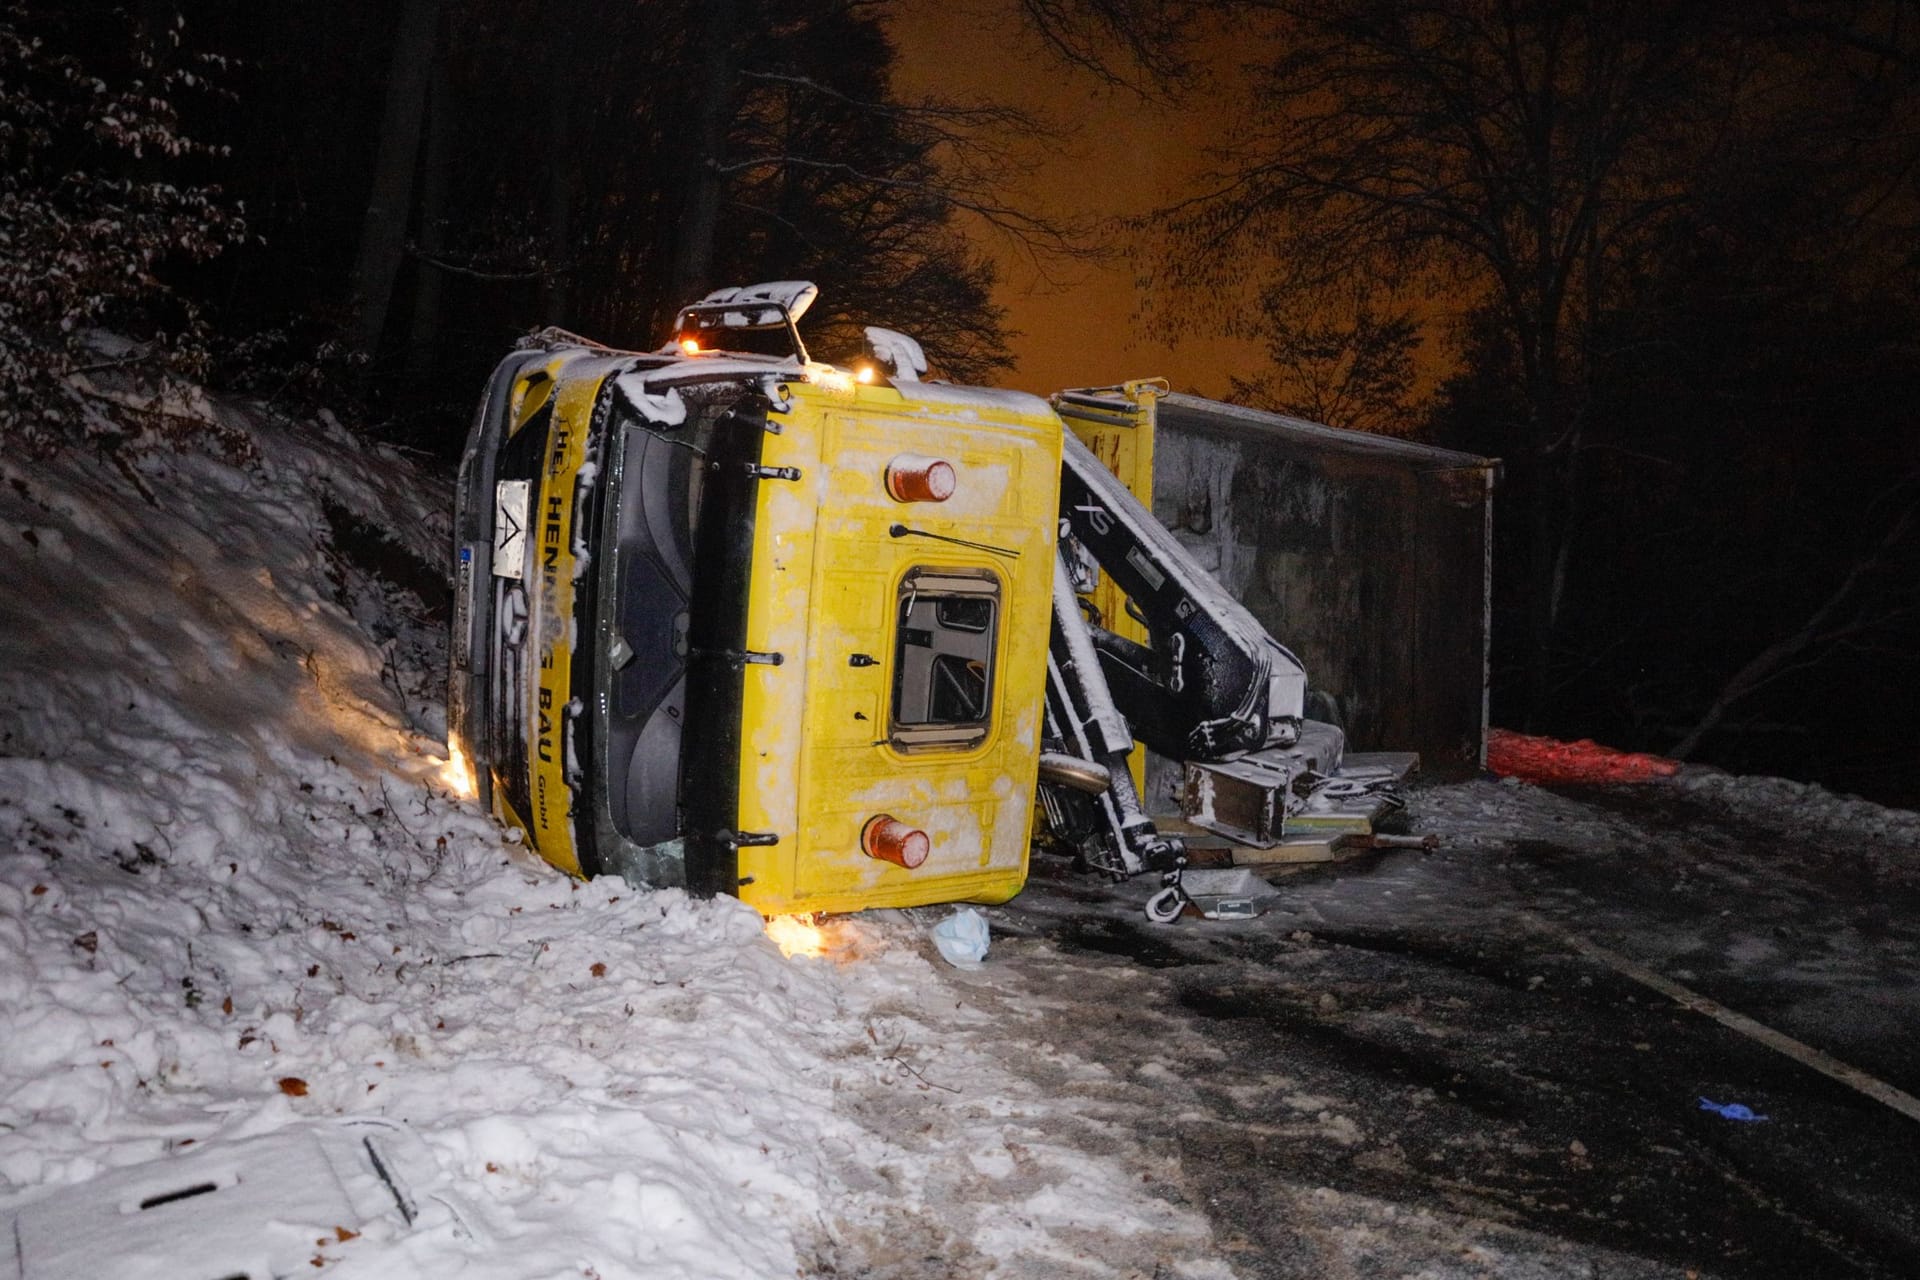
[(699, 223), (1541, 562), (1766, 664), (556, 293), (423, 333), (383, 233), (1544, 571)]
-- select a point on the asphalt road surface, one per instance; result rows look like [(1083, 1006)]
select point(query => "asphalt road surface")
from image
[(1403, 1067)]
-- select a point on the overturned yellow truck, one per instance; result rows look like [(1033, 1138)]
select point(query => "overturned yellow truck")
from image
[(829, 639)]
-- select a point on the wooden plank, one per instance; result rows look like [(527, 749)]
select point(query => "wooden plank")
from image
[(1400, 765), (1289, 852)]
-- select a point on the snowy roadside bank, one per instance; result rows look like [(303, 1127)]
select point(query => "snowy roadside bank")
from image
[(236, 896)]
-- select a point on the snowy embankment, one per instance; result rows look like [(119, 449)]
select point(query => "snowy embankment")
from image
[(237, 895)]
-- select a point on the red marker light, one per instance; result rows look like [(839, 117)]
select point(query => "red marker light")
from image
[(891, 840), (913, 478)]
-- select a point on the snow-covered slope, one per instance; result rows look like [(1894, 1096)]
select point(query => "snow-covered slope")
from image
[(237, 896)]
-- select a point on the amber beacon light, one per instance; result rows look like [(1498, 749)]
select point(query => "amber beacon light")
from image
[(891, 840), (913, 478)]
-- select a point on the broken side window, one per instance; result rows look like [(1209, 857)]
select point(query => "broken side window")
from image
[(946, 628)]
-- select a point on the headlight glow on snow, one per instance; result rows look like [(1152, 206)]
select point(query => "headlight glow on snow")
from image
[(797, 936), (456, 775)]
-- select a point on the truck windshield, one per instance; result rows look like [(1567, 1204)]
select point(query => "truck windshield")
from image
[(651, 527)]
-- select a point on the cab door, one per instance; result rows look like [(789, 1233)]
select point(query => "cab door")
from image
[(925, 658)]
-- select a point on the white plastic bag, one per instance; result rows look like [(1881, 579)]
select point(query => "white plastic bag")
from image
[(962, 938)]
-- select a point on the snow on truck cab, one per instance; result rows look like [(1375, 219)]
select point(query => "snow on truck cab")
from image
[(735, 620)]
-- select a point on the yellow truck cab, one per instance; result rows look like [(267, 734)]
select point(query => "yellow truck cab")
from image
[(821, 638), (740, 621)]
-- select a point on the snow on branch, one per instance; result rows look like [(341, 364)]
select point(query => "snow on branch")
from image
[(93, 204)]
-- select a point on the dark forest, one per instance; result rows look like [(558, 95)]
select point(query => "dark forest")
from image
[(1676, 243)]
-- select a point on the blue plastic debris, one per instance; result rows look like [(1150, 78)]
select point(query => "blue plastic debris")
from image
[(1731, 1110), (962, 938)]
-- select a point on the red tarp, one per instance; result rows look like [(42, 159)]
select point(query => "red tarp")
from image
[(1521, 755)]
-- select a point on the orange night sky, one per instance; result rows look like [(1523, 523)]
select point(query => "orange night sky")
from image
[(1120, 156)]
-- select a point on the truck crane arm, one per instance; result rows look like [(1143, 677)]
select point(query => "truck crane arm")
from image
[(1209, 688), (1211, 682)]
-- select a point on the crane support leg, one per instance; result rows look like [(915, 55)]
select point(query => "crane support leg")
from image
[(1082, 717)]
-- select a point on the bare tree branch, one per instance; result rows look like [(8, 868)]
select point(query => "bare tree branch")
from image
[(1030, 228), (1768, 664), (1137, 45)]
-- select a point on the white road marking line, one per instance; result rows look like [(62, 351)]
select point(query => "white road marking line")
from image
[(1805, 1054)]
